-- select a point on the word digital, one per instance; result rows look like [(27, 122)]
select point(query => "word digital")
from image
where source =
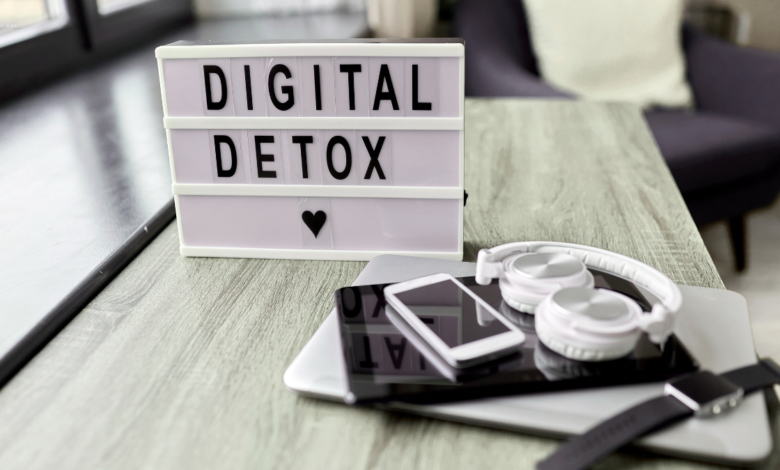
[(324, 150)]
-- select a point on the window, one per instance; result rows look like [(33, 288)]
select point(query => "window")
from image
[(42, 39), (24, 19), (107, 7), (115, 24)]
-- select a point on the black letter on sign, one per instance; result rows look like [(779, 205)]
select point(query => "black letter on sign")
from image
[(350, 69), (208, 70), (248, 82), (416, 105), (396, 351), (337, 139), (373, 153), (303, 140), (286, 89), (384, 77), (264, 139), (218, 141), (317, 97)]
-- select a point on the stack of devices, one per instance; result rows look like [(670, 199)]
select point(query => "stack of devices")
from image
[(485, 343), (439, 338), (535, 318)]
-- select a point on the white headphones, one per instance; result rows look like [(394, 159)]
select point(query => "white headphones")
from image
[(572, 317)]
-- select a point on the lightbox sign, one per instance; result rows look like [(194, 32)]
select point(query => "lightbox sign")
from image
[(325, 150)]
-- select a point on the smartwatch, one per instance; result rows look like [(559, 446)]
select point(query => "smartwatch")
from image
[(700, 394)]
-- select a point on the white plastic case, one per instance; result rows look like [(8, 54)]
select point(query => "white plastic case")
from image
[(330, 150)]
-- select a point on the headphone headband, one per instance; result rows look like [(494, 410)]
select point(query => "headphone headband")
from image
[(658, 323)]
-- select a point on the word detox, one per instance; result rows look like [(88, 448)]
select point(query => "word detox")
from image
[(305, 147), (316, 150)]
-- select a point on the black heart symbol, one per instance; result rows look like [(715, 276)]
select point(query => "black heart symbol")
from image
[(314, 221)]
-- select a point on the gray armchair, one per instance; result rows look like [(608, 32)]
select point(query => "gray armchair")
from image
[(724, 156)]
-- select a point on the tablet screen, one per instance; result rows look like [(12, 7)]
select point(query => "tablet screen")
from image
[(386, 360)]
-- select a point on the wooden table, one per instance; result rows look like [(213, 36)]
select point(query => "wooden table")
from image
[(178, 363)]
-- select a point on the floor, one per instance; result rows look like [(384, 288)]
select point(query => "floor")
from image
[(760, 282)]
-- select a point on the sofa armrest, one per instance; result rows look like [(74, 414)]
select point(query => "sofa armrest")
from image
[(487, 76), (733, 80), (499, 59)]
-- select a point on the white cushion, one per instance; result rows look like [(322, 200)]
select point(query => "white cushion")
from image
[(612, 50)]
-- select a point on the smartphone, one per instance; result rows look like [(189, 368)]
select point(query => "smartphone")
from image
[(461, 327), (453, 374)]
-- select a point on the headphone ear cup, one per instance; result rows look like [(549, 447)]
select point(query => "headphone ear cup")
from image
[(529, 277), (592, 337)]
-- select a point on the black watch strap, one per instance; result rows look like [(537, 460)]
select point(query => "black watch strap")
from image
[(751, 378), (581, 452)]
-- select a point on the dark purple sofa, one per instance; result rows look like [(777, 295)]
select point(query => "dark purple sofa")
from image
[(725, 155)]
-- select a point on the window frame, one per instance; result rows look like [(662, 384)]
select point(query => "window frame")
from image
[(30, 31), (86, 37), (118, 28), (30, 62)]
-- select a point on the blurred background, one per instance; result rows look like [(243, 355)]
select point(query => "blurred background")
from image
[(746, 22), (722, 145)]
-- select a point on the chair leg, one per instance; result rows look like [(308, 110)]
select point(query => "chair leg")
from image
[(737, 234)]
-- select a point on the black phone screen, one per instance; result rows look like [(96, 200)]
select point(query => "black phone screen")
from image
[(384, 363)]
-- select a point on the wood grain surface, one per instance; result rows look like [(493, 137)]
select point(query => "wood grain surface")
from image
[(178, 363)]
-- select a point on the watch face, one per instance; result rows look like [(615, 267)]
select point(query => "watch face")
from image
[(704, 388)]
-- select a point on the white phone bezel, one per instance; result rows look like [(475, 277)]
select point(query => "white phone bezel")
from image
[(465, 353)]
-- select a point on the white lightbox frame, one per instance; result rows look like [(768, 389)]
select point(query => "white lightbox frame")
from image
[(432, 48)]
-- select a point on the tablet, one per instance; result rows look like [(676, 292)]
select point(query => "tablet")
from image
[(386, 361)]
